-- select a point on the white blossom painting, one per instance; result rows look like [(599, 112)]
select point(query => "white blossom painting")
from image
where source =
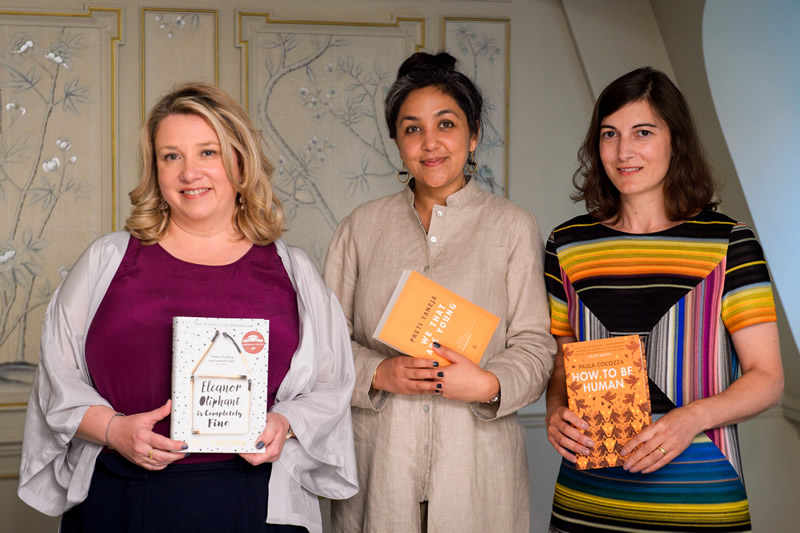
[(177, 46), (57, 169), (482, 49), (316, 90)]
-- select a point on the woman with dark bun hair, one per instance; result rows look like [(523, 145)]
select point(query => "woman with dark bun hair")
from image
[(653, 257), (440, 448)]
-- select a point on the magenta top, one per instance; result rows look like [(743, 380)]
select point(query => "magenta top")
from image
[(129, 343)]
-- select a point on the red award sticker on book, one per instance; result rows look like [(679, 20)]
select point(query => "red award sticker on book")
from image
[(253, 342)]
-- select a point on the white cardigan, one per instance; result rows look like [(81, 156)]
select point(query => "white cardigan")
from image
[(57, 467)]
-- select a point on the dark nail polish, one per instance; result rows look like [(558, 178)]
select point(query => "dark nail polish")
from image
[(260, 444), (438, 385), (436, 344), (440, 374), (185, 447), (435, 364)]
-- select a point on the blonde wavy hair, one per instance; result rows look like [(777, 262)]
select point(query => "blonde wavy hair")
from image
[(261, 220)]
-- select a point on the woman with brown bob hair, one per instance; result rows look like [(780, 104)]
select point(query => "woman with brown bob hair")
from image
[(202, 241), (689, 184), (652, 257)]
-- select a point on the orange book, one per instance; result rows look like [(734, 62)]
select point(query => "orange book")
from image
[(607, 386), (422, 312)]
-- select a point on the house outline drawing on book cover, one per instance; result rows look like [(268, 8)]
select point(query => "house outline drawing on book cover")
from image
[(206, 378), (219, 383), (421, 312), (608, 387)]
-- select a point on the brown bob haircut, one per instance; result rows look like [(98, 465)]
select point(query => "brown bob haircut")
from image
[(689, 185), (261, 219)]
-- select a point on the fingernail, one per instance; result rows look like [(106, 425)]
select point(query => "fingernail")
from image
[(626, 466), (438, 385), (436, 344), (435, 364), (185, 447), (260, 444), (586, 451), (584, 425), (440, 374), (589, 443), (437, 391)]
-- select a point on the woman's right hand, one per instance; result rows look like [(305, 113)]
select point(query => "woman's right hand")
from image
[(402, 374), (564, 428), (565, 433), (133, 437)]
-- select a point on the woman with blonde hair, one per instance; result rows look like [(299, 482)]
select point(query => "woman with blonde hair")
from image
[(202, 240)]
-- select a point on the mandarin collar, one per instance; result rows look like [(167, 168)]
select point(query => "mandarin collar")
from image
[(459, 198)]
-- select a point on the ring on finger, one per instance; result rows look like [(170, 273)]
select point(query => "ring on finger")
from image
[(150, 455), (662, 450)]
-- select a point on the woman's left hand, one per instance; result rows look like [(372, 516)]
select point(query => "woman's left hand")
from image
[(662, 441), (273, 437), (465, 381)]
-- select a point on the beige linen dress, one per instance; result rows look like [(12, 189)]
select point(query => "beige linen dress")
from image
[(467, 460)]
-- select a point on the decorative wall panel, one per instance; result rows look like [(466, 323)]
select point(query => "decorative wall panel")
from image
[(58, 86), (178, 45), (316, 90), (482, 47)]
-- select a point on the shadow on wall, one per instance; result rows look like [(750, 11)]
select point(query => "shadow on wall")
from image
[(751, 54)]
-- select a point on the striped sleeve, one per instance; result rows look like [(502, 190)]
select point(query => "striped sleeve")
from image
[(559, 318), (747, 297)]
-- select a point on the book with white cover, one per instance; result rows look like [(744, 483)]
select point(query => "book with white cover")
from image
[(219, 383)]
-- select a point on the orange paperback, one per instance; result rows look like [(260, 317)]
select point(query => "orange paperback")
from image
[(422, 312), (607, 386)]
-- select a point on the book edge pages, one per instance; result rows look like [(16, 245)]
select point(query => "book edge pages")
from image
[(390, 306)]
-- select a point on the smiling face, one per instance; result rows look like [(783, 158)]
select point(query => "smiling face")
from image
[(636, 148), (434, 140), (191, 175)]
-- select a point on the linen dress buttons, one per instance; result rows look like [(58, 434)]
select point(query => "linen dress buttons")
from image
[(433, 238), (439, 213), (426, 268)]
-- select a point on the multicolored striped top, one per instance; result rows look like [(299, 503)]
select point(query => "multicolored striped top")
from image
[(685, 290)]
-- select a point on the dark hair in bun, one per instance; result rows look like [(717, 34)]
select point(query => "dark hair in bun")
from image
[(422, 70)]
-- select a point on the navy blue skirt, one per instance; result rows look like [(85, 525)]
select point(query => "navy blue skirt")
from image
[(201, 497)]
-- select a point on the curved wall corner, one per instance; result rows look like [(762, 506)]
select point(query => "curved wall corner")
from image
[(752, 57)]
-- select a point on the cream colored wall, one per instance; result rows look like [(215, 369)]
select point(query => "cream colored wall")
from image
[(605, 53), (557, 65)]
